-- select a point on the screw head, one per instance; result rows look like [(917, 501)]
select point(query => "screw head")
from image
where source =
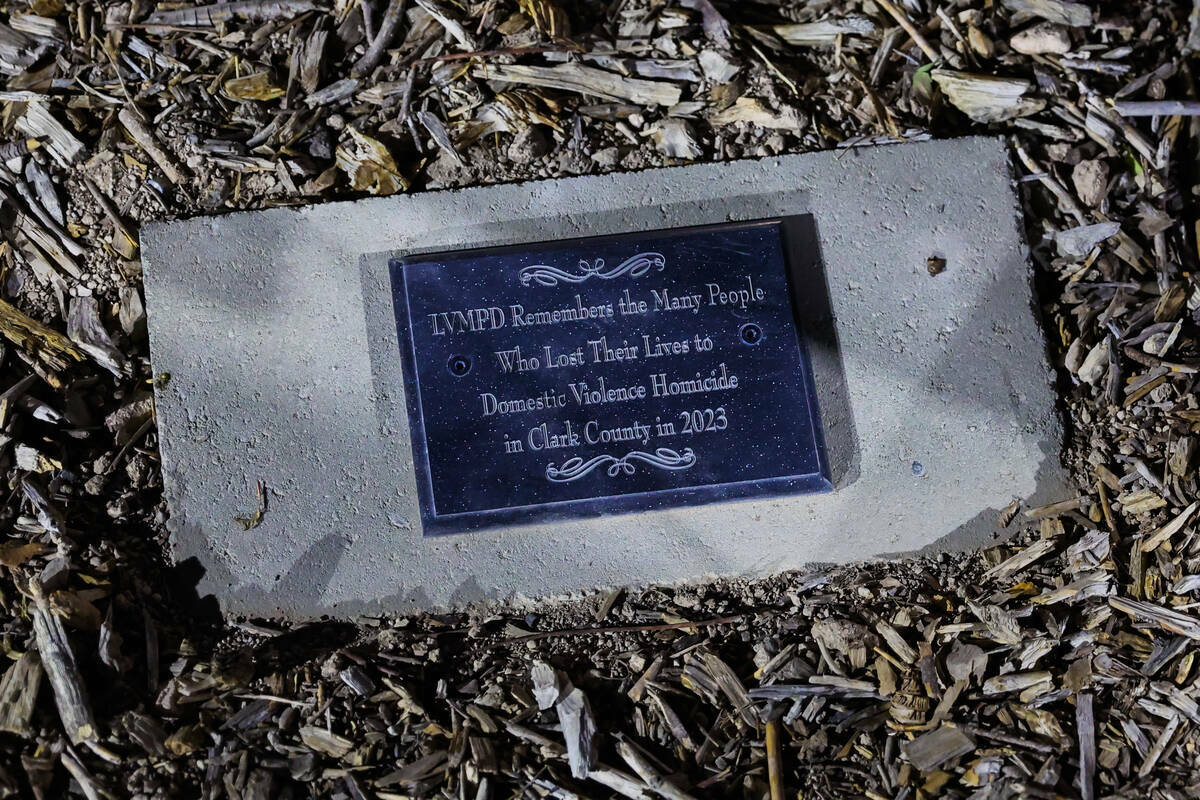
[(751, 333), (459, 365)]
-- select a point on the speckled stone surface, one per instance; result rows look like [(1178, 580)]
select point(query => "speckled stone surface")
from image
[(277, 330), (606, 410)]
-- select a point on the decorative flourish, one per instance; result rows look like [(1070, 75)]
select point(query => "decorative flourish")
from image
[(634, 267), (663, 458)]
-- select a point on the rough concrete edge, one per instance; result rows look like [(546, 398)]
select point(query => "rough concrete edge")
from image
[(150, 231), (176, 523), (1053, 480)]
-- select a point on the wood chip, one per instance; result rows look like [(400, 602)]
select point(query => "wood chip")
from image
[(938, 747), (58, 660), (18, 693), (985, 98), (584, 80)]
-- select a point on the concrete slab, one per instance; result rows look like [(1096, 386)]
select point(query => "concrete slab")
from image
[(278, 334)]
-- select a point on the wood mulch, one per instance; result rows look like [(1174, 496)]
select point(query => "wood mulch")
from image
[(1061, 662)]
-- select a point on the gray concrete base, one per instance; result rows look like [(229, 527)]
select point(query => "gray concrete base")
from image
[(277, 331)]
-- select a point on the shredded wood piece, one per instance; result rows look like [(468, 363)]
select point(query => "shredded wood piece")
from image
[(1164, 618), (646, 771), (1157, 108), (140, 133), (1062, 12), (38, 123), (584, 80), (215, 14), (1158, 537), (1019, 561), (825, 33), (58, 659), (931, 750), (18, 693), (985, 98), (49, 346)]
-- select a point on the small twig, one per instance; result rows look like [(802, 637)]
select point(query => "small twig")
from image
[(131, 119), (882, 115), (775, 70), (383, 38), (91, 789), (904, 22), (1085, 724), (774, 761), (651, 776), (276, 699), (138, 434), (1016, 741), (171, 28), (503, 51), (113, 62), (966, 45), (1065, 200), (1157, 108), (58, 658), (109, 210), (254, 520)]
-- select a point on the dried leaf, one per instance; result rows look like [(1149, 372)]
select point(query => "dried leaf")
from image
[(77, 608), (14, 552), (675, 139), (257, 86), (369, 165), (547, 17), (751, 109)]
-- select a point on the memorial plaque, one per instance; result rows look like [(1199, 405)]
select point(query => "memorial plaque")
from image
[(582, 377)]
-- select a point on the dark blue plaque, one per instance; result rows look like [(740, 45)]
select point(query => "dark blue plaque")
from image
[(614, 373)]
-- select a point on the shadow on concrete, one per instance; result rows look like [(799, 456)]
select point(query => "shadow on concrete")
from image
[(301, 587), (814, 314)]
